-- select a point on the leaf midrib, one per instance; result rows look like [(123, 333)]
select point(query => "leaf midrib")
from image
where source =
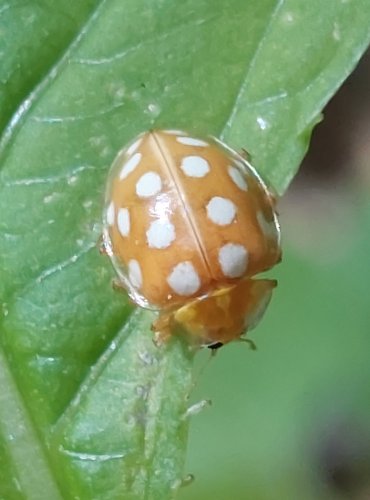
[(23, 444), (244, 82), (50, 75), (45, 485), (35, 476)]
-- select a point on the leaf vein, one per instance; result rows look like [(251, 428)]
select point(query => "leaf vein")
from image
[(250, 66), (61, 266), (34, 95), (30, 181), (143, 43)]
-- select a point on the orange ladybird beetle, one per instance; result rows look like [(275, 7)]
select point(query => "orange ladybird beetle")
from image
[(188, 223)]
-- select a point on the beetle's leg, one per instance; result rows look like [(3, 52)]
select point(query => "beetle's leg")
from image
[(245, 155), (252, 345), (101, 245), (162, 329), (117, 285)]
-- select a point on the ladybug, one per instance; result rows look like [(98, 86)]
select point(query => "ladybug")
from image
[(188, 223)]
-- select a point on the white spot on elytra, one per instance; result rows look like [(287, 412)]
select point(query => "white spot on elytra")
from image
[(132, 149), (110, 214), (191, 141), (123, 221), (195, 166), (148, 185), (184, 279), (221, 211), (160, 234), (130, 165), (134, 273), (238, 179), (233, 259)]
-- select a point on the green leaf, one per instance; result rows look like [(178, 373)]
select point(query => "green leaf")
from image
[(124, 426), (33, 36), (103, 407)]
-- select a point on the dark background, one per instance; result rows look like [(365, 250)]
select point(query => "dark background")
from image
[(292, 420)]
